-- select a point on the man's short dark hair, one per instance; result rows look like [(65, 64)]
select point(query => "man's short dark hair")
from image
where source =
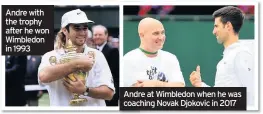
[(230, 14)]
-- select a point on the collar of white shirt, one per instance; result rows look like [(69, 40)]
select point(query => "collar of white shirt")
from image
[(230, 47), (102, 46)]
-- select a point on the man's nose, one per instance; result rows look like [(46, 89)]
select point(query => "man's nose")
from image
[(214, 31)]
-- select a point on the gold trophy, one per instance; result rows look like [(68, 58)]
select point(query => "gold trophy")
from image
[(70, 54)]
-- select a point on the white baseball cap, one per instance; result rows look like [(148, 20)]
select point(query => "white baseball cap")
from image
[(74, 16)]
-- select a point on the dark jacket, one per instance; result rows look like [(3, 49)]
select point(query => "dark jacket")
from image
[(15, 80), (112, 56)]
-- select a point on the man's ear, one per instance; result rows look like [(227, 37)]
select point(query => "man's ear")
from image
[(229, 26), (65, 31), (141, 35), (107, 35)]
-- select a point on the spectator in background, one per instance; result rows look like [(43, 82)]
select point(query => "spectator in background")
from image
[(89, 40), (115, 42), (161, 10), (100, 35), (247, 9), (31, 79), (109, 40), (15, 70)]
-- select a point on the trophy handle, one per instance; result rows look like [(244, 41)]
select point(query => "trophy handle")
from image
[(92, 54)]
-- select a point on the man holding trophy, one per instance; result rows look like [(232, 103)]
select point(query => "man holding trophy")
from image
[(74, 73)]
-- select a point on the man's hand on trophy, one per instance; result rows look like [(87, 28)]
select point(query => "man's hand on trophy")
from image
[(76, 86), (85, 63)]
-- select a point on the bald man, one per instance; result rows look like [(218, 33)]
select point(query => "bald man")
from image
[(148, 65)]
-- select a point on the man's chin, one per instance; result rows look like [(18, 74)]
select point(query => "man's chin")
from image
[(80, 44), (160, 47), (219, 41)]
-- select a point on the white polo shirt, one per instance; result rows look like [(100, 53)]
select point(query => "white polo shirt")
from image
[(164, 67), (236, 69), (100, 74)]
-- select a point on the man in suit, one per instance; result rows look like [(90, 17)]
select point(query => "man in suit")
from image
[(100, 35), (31, 79), (15, 80)]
